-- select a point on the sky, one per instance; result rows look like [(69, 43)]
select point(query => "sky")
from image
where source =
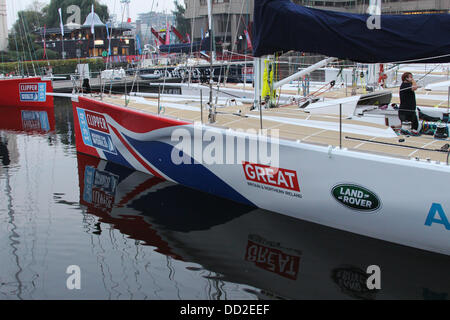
[(114, 6)]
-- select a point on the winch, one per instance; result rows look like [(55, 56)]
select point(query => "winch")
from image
[(441, 131), (406, 125)]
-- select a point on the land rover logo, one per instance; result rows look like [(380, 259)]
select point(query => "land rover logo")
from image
[(356, 197)]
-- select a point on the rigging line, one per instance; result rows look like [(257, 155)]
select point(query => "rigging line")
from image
[(234, 41), (147, 32), (192, 43), (29, 42), (134, 79), (390, 62), (140, 59), (223, 60), (429, 72), (168, 57), (224, 92), (109, 53), (419, 59), (224, 41), (25, 65), (109, 41), (21, 19), (39, 24), (17, 47), (382, 94), (125, 86), (396, 145), (240, 54)]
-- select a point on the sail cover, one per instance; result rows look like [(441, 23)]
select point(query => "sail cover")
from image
[(203, 45), (280, 25)]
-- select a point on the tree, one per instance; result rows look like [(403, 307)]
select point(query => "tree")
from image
[(36, 6), (50, 54), (28, 21), (52, 15), (22, 37), (182, 24)]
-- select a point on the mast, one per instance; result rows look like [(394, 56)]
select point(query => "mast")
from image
[(373, 9), (212, 114), (62, 33), (93, 29)]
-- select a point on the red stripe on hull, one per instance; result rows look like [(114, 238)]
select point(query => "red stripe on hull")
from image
[(134, 226), (135, 155), (132, 119)]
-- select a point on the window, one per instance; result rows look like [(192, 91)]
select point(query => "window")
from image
[(204, 2), (224, 24)]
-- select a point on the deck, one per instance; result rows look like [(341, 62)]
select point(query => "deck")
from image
[(294, 124)]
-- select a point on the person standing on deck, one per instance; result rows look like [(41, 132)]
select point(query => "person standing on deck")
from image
[(407, 110)]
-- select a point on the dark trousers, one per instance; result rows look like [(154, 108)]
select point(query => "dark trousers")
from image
[(409, 115)]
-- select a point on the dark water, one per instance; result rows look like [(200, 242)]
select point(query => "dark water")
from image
[(134, 236)]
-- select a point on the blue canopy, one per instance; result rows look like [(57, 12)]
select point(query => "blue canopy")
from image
[(280, 25)]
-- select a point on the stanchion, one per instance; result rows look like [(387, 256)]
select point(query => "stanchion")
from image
[(340, 126), (201, 106), (159, 98)]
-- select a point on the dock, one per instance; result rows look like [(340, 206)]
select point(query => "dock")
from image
[(118, 85)]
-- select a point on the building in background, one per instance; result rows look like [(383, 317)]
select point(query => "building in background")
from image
[(231, 20), (3, 26), (155, 20), (79, 42)]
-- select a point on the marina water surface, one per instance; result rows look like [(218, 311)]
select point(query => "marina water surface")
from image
[(76, 227)]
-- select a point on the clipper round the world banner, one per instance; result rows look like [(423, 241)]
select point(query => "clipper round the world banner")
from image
[(26, 92)]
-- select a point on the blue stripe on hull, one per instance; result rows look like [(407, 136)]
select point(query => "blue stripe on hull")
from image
[(119, 159), (191, 175)]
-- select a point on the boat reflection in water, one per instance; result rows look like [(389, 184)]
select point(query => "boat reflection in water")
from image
[(27, 119), (14, 122), (280, 256)]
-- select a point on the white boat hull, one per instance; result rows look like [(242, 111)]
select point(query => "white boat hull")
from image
[(394, 199)]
